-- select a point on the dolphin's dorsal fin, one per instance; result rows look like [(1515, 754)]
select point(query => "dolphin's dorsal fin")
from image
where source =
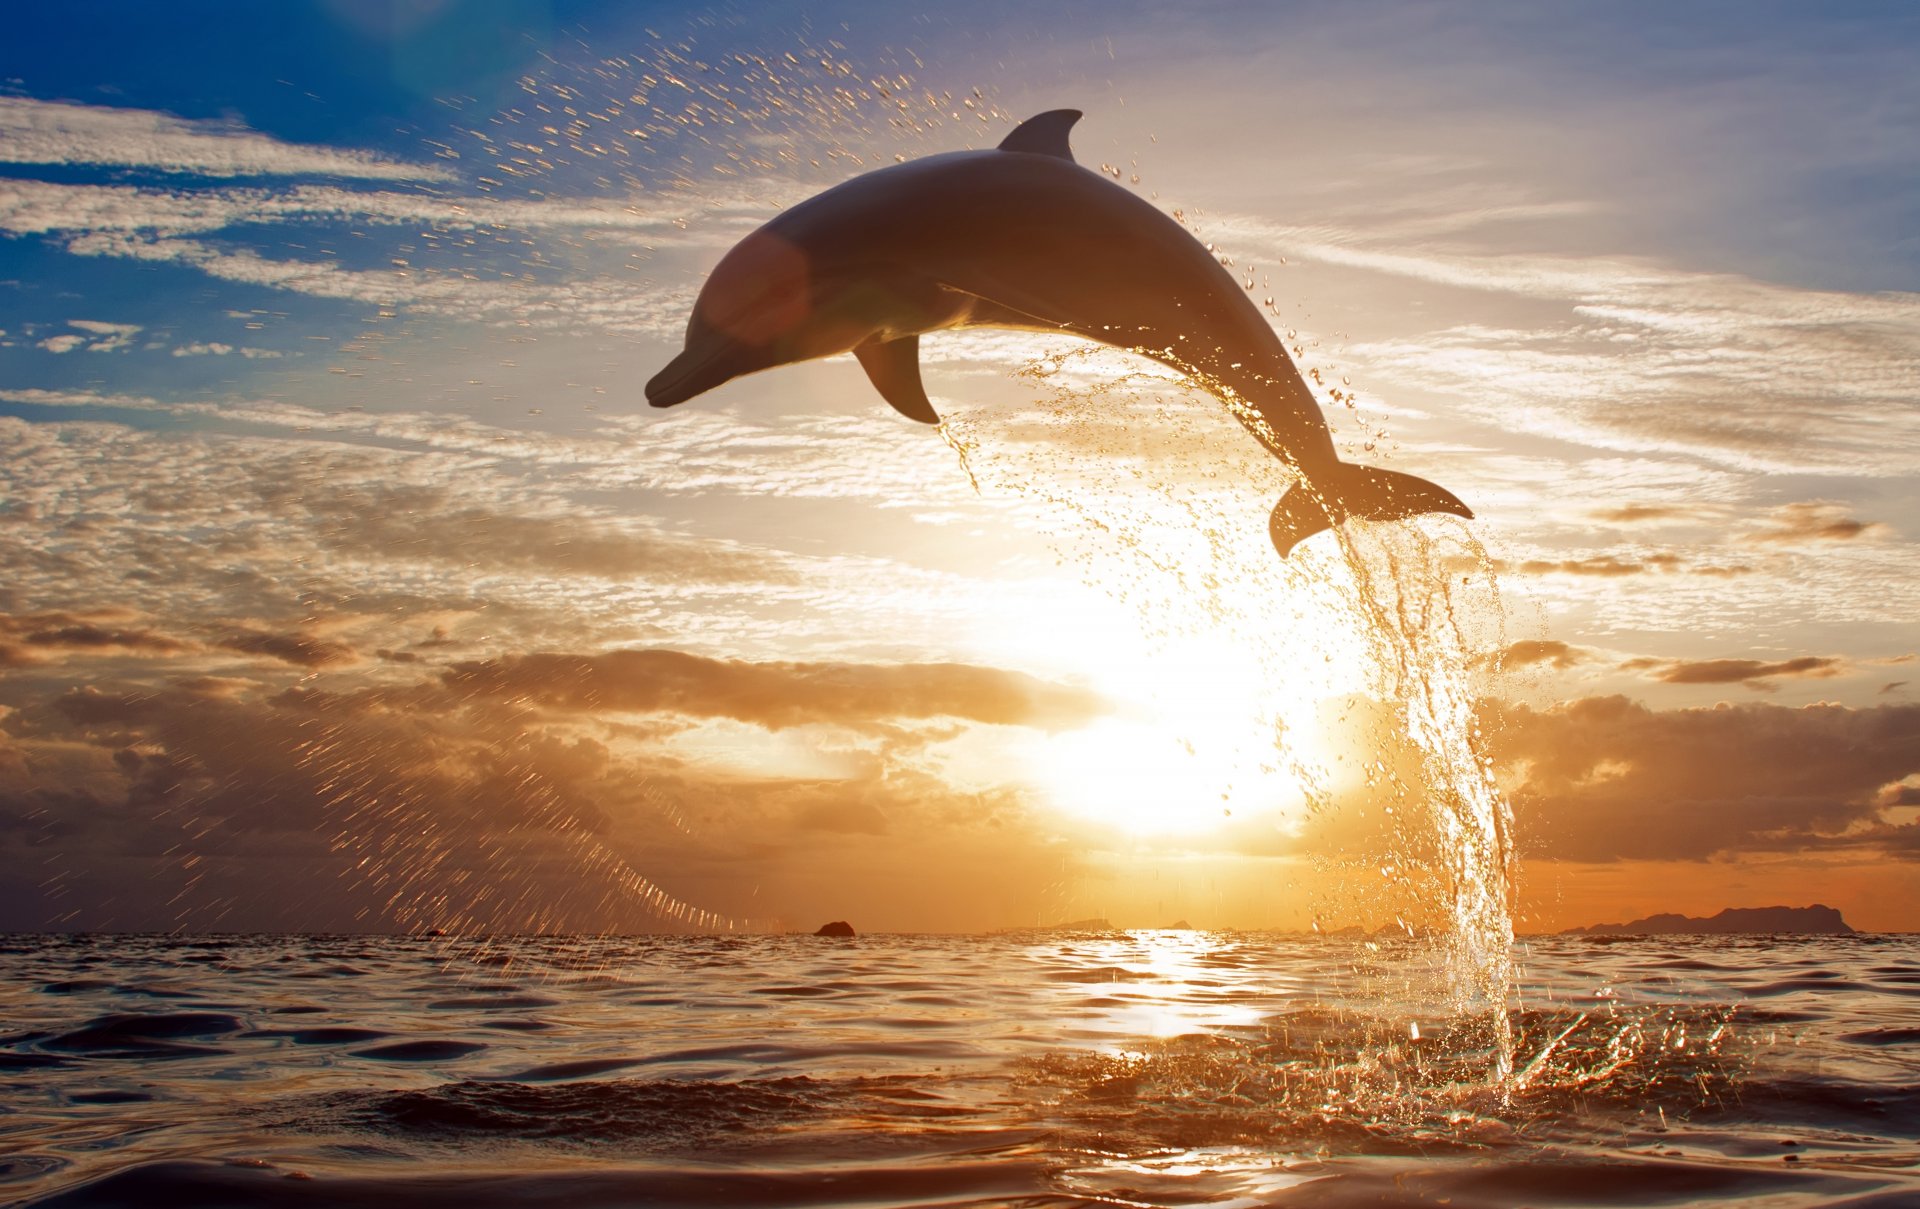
[(1043, 134), (894, 366)]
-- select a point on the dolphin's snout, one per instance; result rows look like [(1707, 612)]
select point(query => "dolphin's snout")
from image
[(694, 372)]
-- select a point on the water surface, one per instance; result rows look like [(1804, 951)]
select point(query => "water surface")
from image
[(1137, 1069)]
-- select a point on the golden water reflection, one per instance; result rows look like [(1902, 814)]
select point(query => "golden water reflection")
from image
[(1117, 990)]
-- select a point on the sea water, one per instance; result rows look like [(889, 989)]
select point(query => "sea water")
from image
[(1037, 1069)]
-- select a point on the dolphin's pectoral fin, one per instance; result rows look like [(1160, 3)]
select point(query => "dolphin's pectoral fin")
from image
[(1043, 134), (894, 367), (1363, 491)]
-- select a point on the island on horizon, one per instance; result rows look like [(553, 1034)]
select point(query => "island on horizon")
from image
[(1816, 919)]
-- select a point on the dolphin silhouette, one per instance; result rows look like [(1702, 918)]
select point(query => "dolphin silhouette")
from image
[(1020, 237)]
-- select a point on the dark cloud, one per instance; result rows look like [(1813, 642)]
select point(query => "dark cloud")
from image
[(1555, 654), (227, 687), (1815, 521), (33, 638), (89, 707), (1608, 779), (1614, 566), (497, 796), (1633, 514), (1604, 565), (774, 695), (1899, 795), (300, 650), (1753, 673)]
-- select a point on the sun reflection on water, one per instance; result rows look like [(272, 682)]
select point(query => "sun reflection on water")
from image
[(1154, 984)]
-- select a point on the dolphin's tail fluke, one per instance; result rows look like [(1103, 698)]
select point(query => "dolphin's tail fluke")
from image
[(1362, 491)]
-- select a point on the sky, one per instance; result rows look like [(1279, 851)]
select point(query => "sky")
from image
[(348, 583)]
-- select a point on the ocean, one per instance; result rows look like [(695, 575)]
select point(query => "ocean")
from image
[(1145, 1068)]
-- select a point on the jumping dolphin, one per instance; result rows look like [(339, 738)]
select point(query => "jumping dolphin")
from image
[(1020, 237)]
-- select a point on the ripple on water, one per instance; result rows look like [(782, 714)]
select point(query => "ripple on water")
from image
[(330, 1036), (500, 1002), (421, 1051), (1882, 1036), (585, 1068), (111, 1097), (149, 1036), (580, 1113), (1027, 1088)]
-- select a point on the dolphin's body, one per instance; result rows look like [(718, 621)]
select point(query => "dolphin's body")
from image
[(1019, 237)]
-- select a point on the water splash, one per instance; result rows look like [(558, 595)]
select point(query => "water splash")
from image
[(1161, 503), (1422, 641)]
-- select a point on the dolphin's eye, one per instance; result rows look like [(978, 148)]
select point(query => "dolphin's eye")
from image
[(759, 291)]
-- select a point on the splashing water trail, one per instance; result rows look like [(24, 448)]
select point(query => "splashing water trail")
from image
[(1420, 640), (1161, 501)]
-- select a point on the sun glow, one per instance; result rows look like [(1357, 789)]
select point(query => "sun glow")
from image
[(1215, 655), (1193, 745)]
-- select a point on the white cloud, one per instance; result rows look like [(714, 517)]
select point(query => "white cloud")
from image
[(211, 348), (159, 226), (1628, 354), (44, 207), (56, 132), (102, 328), (36, 397), (99, 337)]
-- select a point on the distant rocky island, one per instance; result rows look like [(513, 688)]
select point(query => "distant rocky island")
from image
[(1749, 920), (1097, 924)]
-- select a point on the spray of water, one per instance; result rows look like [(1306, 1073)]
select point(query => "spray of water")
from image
[(1161, 502)]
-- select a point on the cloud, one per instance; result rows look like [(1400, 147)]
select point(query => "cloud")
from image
[(31, 639), (1608, 779), (463, 271), (62, 133), (210, 529), (1899, 794), (98, 337), (29, 207), (1613, 566), (519, 793), (775, 695), (387, 520), (1815, 521), (211, 348), (1635, 514), (1753, 673), (1630, 354), (1528, 652), (300, 650), (1606, 565)]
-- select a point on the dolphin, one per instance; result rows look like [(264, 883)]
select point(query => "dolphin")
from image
[(1020, 236)]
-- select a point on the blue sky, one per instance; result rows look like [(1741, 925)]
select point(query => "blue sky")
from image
[(323, 327)]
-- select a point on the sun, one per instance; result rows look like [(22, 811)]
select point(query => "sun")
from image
[(1195, 742)]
